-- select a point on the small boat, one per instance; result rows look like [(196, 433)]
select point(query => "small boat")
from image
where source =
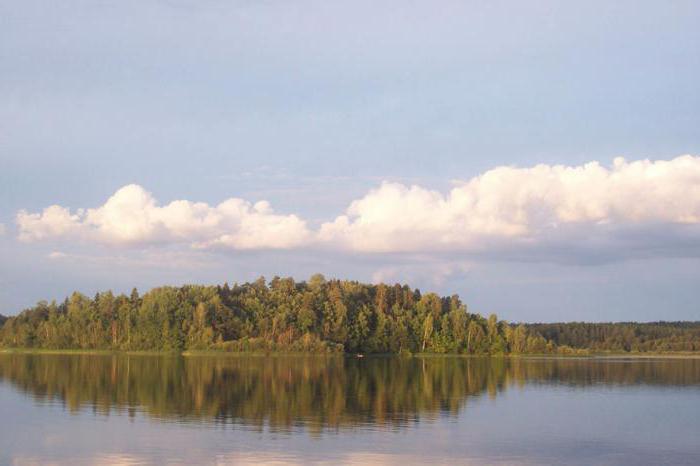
[(359, 355)]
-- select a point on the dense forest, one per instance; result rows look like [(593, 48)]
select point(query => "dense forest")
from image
[(280, 315), (623, 336), (317, 315)]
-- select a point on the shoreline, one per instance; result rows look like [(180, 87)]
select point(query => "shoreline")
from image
[(214, 353)]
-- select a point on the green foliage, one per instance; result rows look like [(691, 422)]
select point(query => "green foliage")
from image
[(623, 336), (319, 316)]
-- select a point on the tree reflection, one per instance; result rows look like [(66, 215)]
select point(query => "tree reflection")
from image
[(318, 393)]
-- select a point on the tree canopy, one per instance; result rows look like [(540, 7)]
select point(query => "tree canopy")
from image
[(315, 316), (623, 336)]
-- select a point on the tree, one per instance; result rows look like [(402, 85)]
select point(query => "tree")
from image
[(321, 315), (427, 330)]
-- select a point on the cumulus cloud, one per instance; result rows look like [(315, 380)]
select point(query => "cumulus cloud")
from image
[(521, 206), (133, 216), (549, 209), (54, 221)]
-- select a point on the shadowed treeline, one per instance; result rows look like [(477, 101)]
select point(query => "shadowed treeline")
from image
[(623, 336), (316, 392)]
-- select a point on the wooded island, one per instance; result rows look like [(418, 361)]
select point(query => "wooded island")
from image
[(319, 316)]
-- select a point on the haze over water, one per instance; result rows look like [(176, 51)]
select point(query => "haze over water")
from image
[(136, 409)]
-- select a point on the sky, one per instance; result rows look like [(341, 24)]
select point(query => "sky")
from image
[(541, 159)]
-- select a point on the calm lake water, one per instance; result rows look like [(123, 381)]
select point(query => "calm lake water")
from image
[(93, 409)]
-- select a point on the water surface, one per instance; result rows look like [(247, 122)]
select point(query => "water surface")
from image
[(136, 409)]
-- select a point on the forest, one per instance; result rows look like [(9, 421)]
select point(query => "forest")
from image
[(319, 316), (623, 336)]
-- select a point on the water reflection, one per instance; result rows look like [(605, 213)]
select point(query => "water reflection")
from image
[(283, 392)]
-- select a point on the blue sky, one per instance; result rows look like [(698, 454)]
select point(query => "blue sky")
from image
[(311, 106)]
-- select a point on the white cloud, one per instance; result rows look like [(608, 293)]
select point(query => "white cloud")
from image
[(54, 221), (547, 210), (55, 255), (520, 205), (133, 216)]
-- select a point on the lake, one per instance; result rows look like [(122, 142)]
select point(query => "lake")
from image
[(136, 409)]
